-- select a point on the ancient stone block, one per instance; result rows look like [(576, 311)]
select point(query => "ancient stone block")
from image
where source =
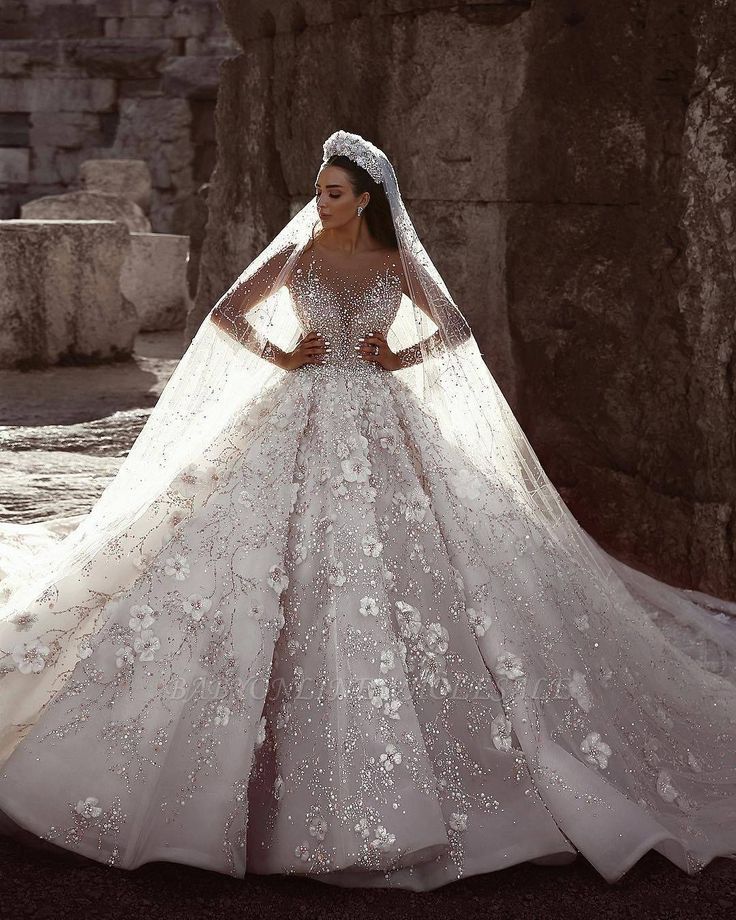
[(151, 7), (154, 279), (189, 18), (141, 27), (63, 129), (192, 77), (14, 168), (86, 205), (127, 178), (60, 299), (124, 59), (113, 8), (49, 94)]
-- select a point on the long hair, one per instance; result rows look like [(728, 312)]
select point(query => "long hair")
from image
[(377, 214)]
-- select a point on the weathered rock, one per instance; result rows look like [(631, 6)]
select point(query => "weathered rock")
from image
[(88, 206), (60, 299), (588, 152), (127, 178), (192, 77), (154, 279), (56, 94), (126, 59), (159, 130), (14, 165)]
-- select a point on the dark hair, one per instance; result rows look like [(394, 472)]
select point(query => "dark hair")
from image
[(377, 214)]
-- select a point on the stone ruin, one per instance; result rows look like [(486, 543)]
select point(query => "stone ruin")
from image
[(83, 273), (95, 79)]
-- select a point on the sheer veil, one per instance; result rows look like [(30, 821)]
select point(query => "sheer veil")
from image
[(57, 598)]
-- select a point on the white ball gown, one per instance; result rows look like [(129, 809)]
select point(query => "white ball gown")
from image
[(324, 666), (333, 646)]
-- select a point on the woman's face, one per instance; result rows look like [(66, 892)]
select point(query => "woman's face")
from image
[(336, 202)]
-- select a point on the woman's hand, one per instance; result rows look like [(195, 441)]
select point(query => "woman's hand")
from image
[(375, 349), (312, 349)]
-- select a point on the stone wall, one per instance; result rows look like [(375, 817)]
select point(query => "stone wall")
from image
[(570, 169), (84, 79)]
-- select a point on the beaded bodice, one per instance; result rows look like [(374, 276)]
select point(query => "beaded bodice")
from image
[(344, 306)]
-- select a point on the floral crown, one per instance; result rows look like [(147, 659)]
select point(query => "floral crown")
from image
[(355, 148)]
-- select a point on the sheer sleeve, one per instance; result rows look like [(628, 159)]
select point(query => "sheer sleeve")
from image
[(229, 314), (453, 328)]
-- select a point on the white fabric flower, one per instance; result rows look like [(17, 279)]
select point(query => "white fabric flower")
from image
[(388, 660), (356, 469), (510, 666), (175, 519), (178, 566), (369, 607), (318, 827), (261, 733), (390, 757), (141, 617), (84, 650), (381, 697), (363, 827), (89, 807), (146, 644), (409, 620), (382, 840), (596, 750), (417, 503), (458, 822), (435, 639), (222, 715), (30, 657), (501, 732), (336, 574), (301, 851), (188, 481), (197, 606), (124, 656), (478, 621), (582, 622), (371, 545), (277, 578)]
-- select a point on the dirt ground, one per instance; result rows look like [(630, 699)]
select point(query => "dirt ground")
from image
[(43, 885)]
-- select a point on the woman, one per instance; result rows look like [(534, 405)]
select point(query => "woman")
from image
[(332, 618)]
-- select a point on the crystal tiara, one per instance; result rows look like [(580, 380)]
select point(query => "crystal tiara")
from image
[(355, 148)]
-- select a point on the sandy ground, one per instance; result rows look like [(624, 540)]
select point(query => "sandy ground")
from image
[(63, 433)]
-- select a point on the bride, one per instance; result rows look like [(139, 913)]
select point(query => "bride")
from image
[(331, 617)]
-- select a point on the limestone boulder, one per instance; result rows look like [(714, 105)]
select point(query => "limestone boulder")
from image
[(125, 177), (88, 206), (154, 279), (60, 298)]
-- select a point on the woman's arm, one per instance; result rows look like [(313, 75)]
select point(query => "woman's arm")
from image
[(229, 314), (455, 326)]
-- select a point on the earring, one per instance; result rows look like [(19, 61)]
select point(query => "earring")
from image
[(360, 210)]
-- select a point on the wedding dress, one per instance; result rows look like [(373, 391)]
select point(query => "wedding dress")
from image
[(336, 643)]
